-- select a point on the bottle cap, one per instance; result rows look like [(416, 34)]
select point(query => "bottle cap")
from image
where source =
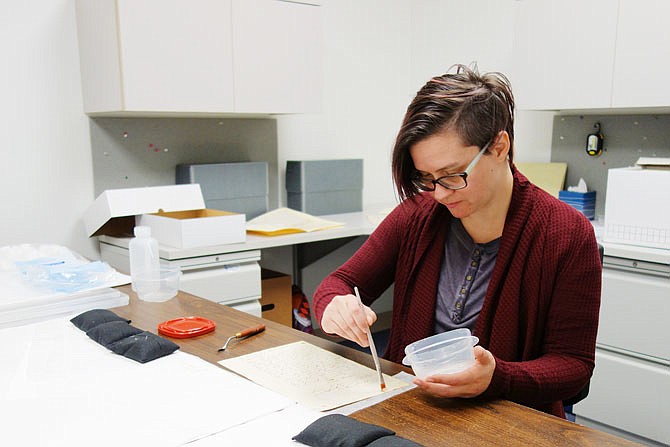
[(142, 231)]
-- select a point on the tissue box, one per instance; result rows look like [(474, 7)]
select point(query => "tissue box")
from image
[(584, 202)]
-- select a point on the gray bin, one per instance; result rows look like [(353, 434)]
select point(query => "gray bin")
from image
[(238, 187), (321, 187)]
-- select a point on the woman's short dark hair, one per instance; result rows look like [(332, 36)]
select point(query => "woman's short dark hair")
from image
[(476, 106)]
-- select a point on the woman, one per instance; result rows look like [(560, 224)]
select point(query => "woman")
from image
[(474, 244)]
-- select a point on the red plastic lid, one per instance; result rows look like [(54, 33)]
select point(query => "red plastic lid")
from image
[(186, 327)]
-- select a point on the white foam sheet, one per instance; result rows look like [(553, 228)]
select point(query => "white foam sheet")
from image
[(276, 430), (58, 387)]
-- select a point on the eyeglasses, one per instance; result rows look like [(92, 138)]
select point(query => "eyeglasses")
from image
[(451, 181)]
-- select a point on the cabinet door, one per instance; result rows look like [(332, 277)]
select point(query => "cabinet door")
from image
[(99, 56), (633, 313), (176, 55), (642, 49), (277, 47), (630, 395), (564, 52)]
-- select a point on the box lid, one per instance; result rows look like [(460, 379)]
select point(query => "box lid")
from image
[(654, 162), (113, 212)]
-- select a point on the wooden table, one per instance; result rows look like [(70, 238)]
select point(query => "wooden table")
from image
[(413, 415)]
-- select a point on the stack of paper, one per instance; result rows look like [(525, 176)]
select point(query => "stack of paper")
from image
[(17, 311), (286, 221), (24, 300)]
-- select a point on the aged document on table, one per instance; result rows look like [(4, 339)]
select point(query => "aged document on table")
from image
[(312, 376)]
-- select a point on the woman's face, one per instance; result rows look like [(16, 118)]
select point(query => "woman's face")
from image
[(445, 153)]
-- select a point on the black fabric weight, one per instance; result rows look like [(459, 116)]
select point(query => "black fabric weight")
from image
[(393, 441), (109, 333), (336, 430), (144, 347), (117, 335), (92, 318)]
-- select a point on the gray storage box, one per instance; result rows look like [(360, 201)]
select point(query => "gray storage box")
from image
[(238, 187), (321, 187)]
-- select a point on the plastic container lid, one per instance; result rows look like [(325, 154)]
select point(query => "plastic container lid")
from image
[(435, 340), (186, 327)]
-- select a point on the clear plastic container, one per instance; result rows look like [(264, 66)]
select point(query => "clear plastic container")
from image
[(144, 262), (159, 289), (446, 353)]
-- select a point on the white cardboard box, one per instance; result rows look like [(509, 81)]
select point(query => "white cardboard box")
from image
[(636, 210), (116, 211), (195, 228)]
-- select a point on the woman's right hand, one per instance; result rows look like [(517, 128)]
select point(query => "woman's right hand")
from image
[(347, 317)]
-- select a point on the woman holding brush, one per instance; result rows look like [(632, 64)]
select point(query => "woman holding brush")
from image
[(474, 244)]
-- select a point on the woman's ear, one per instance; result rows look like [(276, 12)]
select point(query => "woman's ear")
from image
[(500, 146)]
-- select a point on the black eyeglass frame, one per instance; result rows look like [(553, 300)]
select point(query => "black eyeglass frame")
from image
[(418, 181)]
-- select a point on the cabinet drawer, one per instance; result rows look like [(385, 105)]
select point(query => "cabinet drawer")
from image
[(633, 313), (230, 283), (629, 394)]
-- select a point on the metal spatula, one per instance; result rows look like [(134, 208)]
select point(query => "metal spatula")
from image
[(248, 332)]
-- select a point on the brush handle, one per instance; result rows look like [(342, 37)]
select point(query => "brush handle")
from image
[(373, 349), (250, 331)]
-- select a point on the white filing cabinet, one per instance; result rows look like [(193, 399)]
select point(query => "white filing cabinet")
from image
[(631, 381), (232, 279)]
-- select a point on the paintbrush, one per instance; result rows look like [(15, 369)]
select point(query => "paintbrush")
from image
[(373, 350)]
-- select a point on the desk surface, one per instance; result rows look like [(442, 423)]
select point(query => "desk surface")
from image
[(355, 224), (413, 415)]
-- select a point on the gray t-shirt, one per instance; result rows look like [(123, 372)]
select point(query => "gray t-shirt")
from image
[(464, 278)]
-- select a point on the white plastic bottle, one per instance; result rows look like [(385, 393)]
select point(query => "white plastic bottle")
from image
[(144, 263)]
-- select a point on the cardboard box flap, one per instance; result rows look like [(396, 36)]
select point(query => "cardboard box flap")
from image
[(113, 212)]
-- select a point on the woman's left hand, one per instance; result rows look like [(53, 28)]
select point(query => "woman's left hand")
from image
[(469, 383)]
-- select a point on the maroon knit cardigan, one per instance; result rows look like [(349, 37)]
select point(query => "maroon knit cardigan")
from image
[(540, 314)]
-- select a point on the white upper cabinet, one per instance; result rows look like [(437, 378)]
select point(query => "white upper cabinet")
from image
[(563, 53), (642, 57), (277, 48), (593, 54), (153, 57)]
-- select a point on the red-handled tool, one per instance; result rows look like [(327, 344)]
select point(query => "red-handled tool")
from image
[(248, 332)]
